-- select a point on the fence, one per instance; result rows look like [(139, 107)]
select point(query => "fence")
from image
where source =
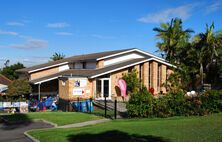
[(110, 109), (20, 106)]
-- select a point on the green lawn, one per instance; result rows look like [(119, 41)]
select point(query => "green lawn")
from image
[(60, 118), (101, 112), (186, 129)]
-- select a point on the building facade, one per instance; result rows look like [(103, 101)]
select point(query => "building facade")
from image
[(95, 75)]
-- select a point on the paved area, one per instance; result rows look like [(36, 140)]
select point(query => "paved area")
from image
[(15, 132), (87, 123)]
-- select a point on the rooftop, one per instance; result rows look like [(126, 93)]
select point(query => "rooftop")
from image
[(89, 73), (4, 80), (92, 56)]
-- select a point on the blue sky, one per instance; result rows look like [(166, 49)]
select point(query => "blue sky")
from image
[(31, 31)]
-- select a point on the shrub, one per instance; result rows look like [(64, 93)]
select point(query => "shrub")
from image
[(142, 104), (169, 105), (212, 100), (132, 81)]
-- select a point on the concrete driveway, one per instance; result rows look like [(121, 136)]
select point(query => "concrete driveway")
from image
[(15, 132)]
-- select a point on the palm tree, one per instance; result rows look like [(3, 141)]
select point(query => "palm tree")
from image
[(57, 56), (173, 39), (206, 47)]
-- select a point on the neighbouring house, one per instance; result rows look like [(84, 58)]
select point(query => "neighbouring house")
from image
[(96, 74), (4, 82)]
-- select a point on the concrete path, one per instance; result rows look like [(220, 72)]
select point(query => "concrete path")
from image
[(18, 132), (15, 132), (87, 123)]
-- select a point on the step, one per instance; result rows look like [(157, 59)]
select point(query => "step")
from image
[(121, 106)]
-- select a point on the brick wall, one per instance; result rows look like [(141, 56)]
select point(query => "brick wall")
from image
[(86, 94), (145, 74), (169, 71), (66, 91), (154, 72), (114, 81), (163, 72), (43, 73), (137, 67), (100, 64)]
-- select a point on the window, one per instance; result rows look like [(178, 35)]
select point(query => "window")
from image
[(84, 65), (150, 76), (158, 76), (98, 88), (106, 88), (141, 72), (167, 76)]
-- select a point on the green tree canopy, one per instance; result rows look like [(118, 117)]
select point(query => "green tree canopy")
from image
[(198, 60), (206, 48), (19, 87), (10, 71), (173, 44), (173, 39), (57, 56)]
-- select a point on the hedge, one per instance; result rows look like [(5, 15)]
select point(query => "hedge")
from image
[(143, 104)]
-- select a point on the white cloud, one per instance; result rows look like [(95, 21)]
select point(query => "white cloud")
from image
[(30, 44), (213, 7), (58, 25), (15, 24), (26, 21), (3, 60), (25, 36), (26, 60), (183, 12), (64, 33), (8, 33), (102, 36)]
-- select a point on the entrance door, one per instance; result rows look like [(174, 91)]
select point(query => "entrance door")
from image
[(103, 88)]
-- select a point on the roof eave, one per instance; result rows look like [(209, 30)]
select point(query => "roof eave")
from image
[(117, 69)]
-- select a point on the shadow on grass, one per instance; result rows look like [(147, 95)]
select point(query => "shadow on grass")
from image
[(114, 136), (13, 121)]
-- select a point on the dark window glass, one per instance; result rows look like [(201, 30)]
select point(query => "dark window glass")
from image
[(84, 65), (106, 88), (149, 77), (158, 76), (98, 88), (140, 72)]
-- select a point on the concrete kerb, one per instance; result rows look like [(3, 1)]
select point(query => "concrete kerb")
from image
[(75, 125), (45, 121), (31, 137), (86, 123)]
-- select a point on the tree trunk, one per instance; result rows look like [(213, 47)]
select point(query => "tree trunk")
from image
[(201, 74)]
